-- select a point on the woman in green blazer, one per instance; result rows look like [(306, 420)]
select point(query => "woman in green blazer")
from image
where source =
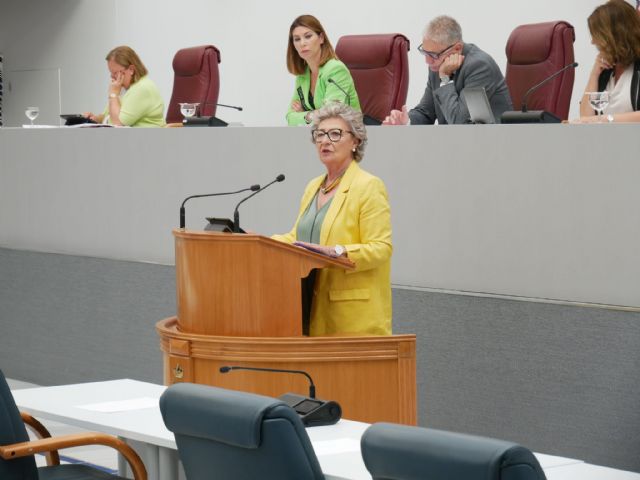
[(320, 76), (345, 212)]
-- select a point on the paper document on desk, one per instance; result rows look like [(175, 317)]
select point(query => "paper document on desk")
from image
[(334, 447), (122, 405)]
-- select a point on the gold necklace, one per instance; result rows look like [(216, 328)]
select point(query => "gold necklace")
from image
[(326, 189)]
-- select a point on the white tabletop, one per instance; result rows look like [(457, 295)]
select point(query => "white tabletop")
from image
[(129, 409)]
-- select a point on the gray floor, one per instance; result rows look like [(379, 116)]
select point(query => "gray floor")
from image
[(95, 455), (559, 379)]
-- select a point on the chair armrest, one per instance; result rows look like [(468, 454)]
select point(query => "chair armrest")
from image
[(41, 432), (23, 449)]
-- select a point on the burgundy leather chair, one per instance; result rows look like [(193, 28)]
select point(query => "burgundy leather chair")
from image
[(196, 79), (534, 52), (380, 69)]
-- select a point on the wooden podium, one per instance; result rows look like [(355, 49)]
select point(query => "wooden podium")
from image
[(238, 299)]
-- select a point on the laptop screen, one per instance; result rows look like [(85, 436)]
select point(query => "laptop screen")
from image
[(478, 105)]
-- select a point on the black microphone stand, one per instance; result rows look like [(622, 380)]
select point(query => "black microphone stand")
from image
[(182, 209)]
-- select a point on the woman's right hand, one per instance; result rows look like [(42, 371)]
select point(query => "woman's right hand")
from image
[(599, 66), (91, 116)]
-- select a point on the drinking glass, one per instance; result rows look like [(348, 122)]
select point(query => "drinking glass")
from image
[(599, 101), (32, 113), (188, 110)]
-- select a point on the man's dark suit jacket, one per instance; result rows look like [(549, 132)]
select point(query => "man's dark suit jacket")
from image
[(444, 103)]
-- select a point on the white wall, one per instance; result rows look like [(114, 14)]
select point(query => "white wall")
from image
[(74, 35)]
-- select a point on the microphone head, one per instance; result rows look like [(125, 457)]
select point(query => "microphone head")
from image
[(574, 64), (280, 178), (255, 187), (331, 80), (225, 369)]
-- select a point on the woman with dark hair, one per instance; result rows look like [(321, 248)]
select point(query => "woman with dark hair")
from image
[(320, 76), (615, 32), (141, 104)]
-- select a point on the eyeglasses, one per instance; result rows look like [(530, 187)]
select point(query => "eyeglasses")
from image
[(434, 55), (335, 134)]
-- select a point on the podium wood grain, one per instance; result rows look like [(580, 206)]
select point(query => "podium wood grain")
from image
[(238, 299), (373, 378)]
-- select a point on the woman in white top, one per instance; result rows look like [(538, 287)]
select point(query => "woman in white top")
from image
[(615, 32)]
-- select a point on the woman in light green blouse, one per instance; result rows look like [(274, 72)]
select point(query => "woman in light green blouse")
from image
[(140, 105), (320, 76)]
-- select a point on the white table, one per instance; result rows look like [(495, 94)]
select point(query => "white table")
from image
[(337, 446)]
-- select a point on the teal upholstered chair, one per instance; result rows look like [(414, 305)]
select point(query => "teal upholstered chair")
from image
[(16, 451), (400, 452), (237, 435)]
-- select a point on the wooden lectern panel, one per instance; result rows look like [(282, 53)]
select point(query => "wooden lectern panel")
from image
[(241, 285), (373, 378)]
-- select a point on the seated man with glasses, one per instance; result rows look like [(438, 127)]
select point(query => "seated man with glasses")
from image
[(453, 66)]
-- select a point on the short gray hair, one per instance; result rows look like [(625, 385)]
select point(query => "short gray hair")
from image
[(352, 117), (444, 30)]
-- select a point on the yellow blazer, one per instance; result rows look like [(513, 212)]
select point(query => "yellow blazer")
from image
[(359, 218)]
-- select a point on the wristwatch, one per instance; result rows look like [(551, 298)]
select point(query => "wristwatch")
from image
[(610, 118), (339, 250), (445, 80)]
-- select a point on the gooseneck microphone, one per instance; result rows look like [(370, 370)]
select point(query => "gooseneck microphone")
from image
[(236, 214), (312, 411), (346, 95), (550, 77), (253, 188), (229, 106), (312, 387)]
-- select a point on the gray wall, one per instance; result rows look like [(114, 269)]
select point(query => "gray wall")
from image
[(561, 379), (75, 35)]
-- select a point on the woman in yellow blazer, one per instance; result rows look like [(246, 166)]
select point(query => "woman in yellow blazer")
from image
[(345, 212)]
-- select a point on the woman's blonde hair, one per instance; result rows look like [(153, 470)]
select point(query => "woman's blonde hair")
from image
[(126, 56), (351, 117), (295, 64), (615, 30)]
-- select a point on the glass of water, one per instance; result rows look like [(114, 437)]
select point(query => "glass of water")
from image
[(599, 101), (32, 113), (188, 110)]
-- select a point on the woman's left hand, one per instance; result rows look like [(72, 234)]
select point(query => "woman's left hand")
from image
[(314, 247), (116, 83), (296, 106)]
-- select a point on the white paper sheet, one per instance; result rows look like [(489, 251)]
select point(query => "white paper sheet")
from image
[(337, 446), (122, 405)]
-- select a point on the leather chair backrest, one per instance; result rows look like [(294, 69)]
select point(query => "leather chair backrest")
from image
[(237, 435), (401, 452), (379, 66), (12, 430), (534, 52), (196, 79)]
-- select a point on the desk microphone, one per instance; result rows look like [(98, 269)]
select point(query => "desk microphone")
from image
[(312, 387), (313, 411), (367, 119), (346, 95), (236, 214), (534, 116), (550, 77), (253, 188), (229, 106)]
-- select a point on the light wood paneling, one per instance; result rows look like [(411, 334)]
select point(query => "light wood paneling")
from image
[(373, 378)]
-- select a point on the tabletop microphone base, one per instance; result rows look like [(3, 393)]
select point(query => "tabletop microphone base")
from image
[(313, 412)]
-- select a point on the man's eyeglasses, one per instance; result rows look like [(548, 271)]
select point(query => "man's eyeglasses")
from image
[(335, 134), (434, 55)]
